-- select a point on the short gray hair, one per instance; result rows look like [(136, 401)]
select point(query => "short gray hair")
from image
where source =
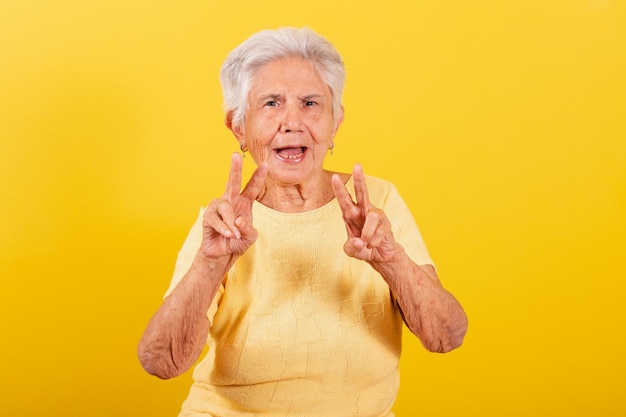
[(242, 64)]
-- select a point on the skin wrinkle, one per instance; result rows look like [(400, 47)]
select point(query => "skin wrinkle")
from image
[(432, 333), (290, 121), (296, 112)]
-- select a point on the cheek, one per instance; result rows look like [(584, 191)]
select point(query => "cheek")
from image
[(259, 139), (261, 129), (254, 134), (324, 133)]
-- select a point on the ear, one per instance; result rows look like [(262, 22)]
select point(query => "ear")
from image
[(338, 120), (236, 129)]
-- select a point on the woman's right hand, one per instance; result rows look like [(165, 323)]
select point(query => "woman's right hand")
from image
[(227, 223), (177, 333)]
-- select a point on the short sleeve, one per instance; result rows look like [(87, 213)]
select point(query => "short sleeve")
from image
[(405, 230), (187, 252)]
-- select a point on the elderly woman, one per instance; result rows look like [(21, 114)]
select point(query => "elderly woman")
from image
[(300, 282)]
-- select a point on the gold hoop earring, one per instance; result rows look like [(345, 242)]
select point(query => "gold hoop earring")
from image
[(244, 149), (331, 147)]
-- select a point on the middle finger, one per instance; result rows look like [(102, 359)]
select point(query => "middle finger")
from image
[(360, 188), (233, 186)]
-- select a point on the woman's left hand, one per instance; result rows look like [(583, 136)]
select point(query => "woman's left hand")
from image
[(369, 231), (430, 311)]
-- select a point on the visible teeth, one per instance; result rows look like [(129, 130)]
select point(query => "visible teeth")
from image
[(285, 155)]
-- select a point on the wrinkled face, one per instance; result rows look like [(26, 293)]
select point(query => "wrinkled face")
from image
[(289, 120)]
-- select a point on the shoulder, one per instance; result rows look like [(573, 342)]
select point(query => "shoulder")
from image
[(379, 183), (381, 191)]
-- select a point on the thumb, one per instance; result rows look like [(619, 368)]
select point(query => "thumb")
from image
[(248, 232), (355, 248)]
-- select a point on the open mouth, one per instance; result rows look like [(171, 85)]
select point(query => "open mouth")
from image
[(290, 153)]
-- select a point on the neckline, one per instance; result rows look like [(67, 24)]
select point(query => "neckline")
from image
[(276, 213)]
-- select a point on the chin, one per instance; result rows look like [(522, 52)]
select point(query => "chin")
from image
[(292, 175)]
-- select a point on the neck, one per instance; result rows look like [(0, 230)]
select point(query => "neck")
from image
[(298, 198)]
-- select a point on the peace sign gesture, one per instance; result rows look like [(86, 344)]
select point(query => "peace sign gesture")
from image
[(227, 223), (369, 231)]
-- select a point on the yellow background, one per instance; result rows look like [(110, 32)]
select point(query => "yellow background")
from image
[(503, 124)]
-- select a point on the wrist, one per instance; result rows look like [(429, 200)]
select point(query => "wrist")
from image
[(393, 262), (213, 264)]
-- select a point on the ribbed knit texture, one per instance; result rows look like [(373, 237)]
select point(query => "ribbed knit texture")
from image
[(299, 328)]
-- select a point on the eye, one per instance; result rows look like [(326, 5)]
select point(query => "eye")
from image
[(270, 103), (310, 103)]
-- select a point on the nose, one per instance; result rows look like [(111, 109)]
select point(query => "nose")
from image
[(292, 119)]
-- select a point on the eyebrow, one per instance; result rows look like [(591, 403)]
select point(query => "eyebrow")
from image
[(278, 96), (268, 96), (311, 96)]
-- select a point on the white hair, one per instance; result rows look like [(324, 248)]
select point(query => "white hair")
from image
[(242, 64)]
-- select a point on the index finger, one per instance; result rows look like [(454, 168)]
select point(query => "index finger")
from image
[(343, 197), (233, 186), (360, 188)]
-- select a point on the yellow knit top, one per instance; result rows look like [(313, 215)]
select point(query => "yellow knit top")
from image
[(298, 327)]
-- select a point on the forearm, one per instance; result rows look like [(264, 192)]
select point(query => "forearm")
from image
[(429, 310), (177, 333)]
